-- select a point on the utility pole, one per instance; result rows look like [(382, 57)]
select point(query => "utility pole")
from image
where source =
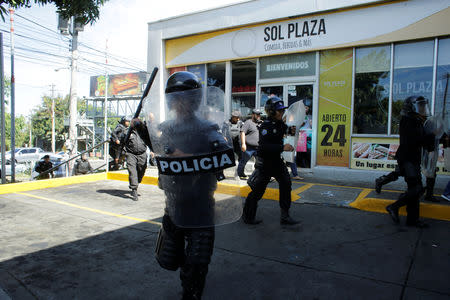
[(105, 110), (53, 117), (13, 99), (72, 27), (73, 97), (2, 98), (31, 132)]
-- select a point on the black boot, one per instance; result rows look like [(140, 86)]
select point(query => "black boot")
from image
[(249, 213), (385, 179), (378, 184), (251, 221), (193, 281), (189, 294), (418, 224), (430, 187), (134, 194), (285, 219), (393, 212)]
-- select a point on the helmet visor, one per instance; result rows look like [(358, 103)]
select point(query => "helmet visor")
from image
[(183, 102), (420, 106)]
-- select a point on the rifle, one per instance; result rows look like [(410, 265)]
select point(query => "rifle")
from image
[(138, 110)]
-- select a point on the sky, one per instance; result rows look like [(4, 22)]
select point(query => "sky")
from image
[(42, 55)]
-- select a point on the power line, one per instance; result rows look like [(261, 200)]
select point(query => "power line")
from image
[(46, 28), (45, 54)]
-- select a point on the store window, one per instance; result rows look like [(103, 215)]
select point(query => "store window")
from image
[(268, 92), (413, 75), (216, 77), (371, 95), (442, 79), (243, 91)]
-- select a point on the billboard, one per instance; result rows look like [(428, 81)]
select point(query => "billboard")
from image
[(118, 84)]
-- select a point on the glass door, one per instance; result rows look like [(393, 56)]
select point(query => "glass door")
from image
[(268, 91), (297, 92), (291, 93)]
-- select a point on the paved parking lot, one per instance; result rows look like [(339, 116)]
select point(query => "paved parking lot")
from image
[(91, 241)]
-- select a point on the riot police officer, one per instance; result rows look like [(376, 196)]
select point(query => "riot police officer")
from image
[(136, 155), (188, 182), (412, 139), (116, 140), (270, 164)]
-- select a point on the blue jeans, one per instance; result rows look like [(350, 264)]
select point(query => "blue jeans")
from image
[(447, 190), (251, 151), (293, 167)]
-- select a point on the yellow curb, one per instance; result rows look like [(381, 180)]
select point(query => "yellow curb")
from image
[(49, 183), (223, 188), (427, 210)]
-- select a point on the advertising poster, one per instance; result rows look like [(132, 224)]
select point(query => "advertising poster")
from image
[(374, 154), (200, 71), (118, 84), (176, 69), (379, 154), (335, 101)]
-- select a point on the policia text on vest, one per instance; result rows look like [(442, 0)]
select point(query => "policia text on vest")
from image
[(196, 164)]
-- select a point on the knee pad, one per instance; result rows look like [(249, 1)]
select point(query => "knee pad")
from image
[(200, 245), (170, 247)]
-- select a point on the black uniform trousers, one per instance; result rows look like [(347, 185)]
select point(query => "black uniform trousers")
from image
[(411, 172), (136, 165), (258, 182), (188, 248)]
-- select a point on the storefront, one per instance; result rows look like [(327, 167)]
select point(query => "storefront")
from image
[(353, 65)]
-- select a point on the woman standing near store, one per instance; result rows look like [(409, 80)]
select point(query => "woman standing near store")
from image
[(304, 137)]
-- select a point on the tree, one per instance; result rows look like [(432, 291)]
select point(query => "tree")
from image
[(87, 11), (21, 134), (41, 119)]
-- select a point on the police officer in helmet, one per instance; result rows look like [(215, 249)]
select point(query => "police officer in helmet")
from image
[(186, 238), (116, 141), (412, 139), (270, 164)]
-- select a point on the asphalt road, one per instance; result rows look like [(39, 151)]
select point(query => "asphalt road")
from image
[(91, 241)]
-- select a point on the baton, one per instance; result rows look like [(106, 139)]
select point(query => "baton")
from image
[(139, 108)]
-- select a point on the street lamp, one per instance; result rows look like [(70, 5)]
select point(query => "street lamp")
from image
[(53, 119), (53, 113)]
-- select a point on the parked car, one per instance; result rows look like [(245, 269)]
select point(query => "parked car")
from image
[(65, 155), (19, 168), (27, 154), (55, 159), (8, 153)]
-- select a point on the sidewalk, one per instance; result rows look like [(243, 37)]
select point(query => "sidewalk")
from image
[(337, 187)]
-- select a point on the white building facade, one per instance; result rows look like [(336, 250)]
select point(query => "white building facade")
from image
[(354, 61)]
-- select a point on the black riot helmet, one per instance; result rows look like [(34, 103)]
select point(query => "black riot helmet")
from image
[(124, 119), (181, 81), (307, 102), (415, 105), (183, 86), (272, 105)]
